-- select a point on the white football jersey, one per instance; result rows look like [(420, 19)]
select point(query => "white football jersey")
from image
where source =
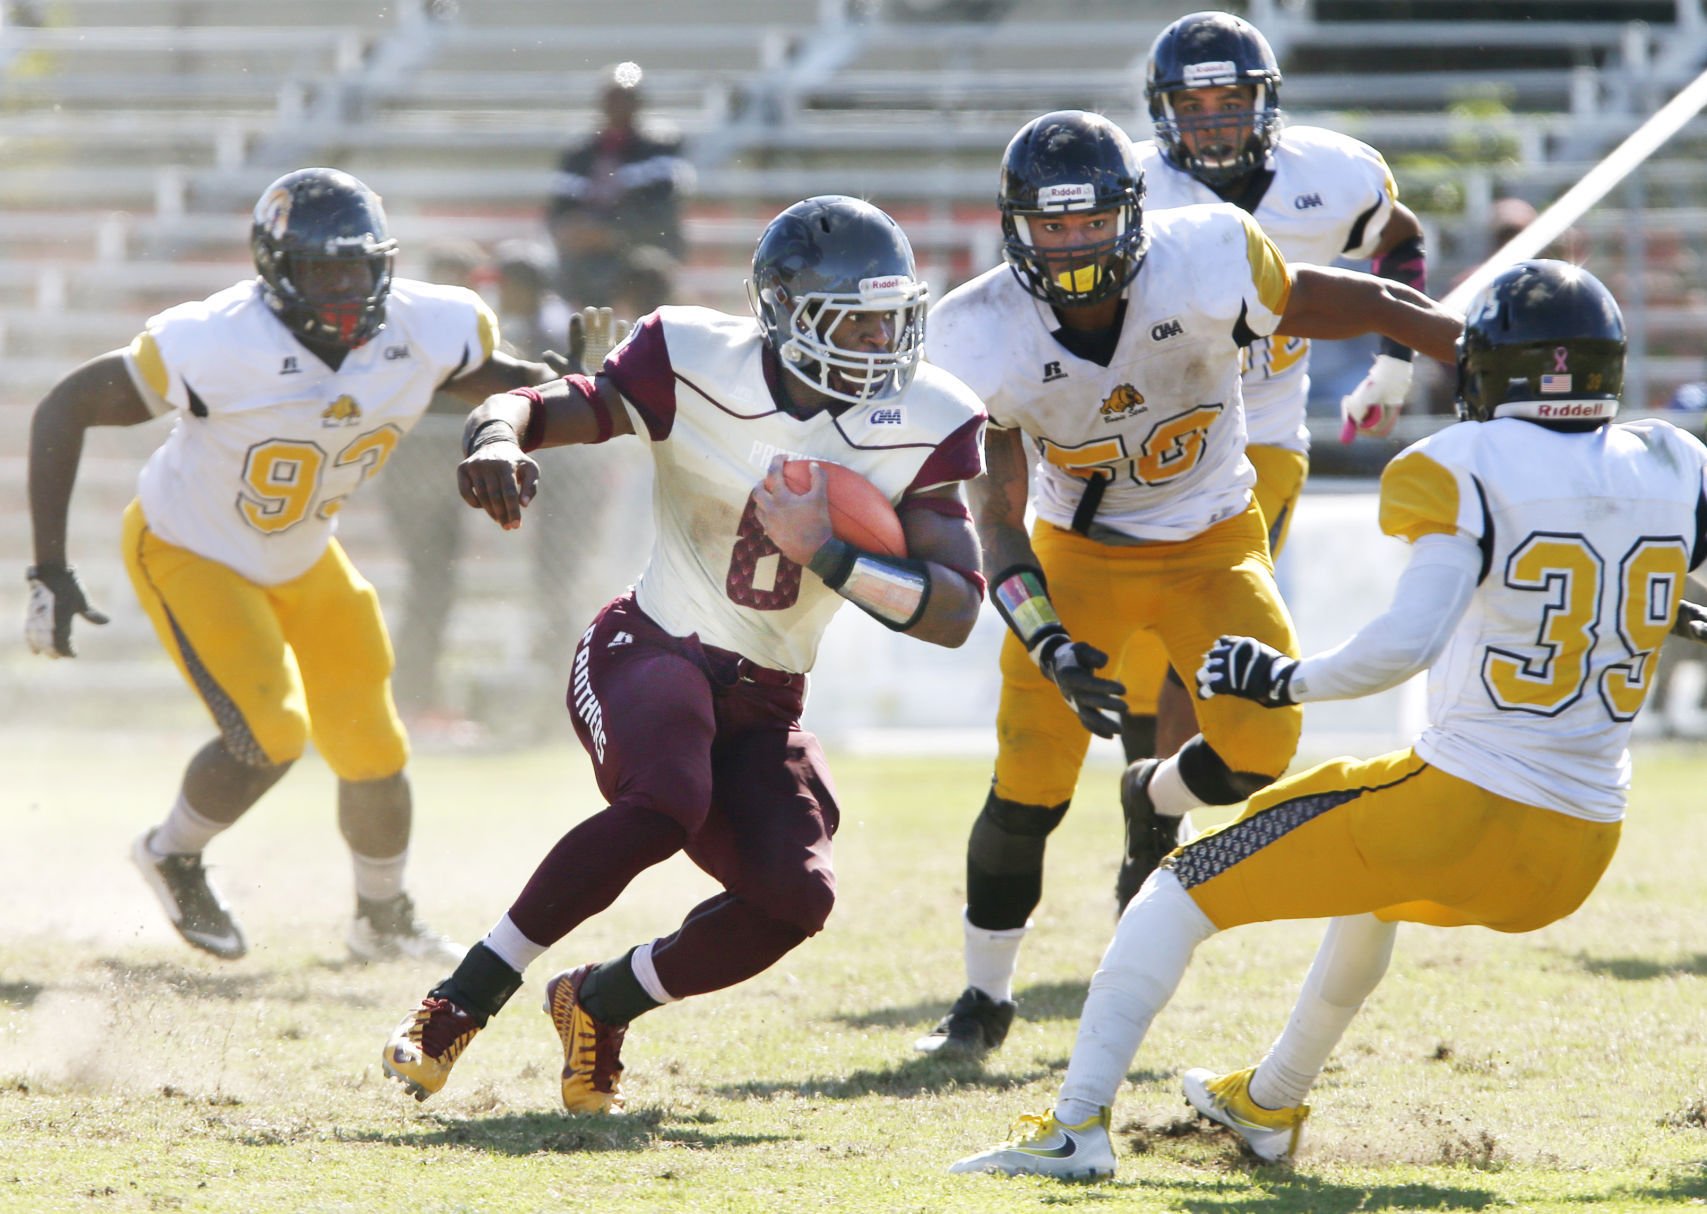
[(269, 441), (1163, 421), (1331, 196), (1586, 540), (702, 388)]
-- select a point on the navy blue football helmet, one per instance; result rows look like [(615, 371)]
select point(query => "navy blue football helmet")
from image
[(314, 216), (1544, 341), (1198, 51), (1072, 161)]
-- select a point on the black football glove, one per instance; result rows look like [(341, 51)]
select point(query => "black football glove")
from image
[(1691, 622), (1072, 665), (56, 597), (1245, 667)]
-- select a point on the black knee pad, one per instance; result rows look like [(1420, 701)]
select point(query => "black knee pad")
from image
[(1004, 861), (1207, 775)]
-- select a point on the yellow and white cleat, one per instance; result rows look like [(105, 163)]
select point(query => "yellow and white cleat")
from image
[(1039, 1145), (1271, 1134)]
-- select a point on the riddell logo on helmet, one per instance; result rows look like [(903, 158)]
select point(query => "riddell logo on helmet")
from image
[(892, 286), (1215, 71), (1580, 408), (1067, 197)]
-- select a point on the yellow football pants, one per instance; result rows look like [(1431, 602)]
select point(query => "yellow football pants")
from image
[(1399, 838), (1280, 479), (1187, 594), (276, 664)]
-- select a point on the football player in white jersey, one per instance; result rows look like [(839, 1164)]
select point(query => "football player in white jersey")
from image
[(1213, 87), (687, 690), (1108, 351), (1549, 550), (287, 392)]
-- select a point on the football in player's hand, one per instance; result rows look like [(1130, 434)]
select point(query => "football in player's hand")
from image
[(859, 511)]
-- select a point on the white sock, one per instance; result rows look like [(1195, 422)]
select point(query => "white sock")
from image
[(646, 973), (184, 832), (992, 957), (514, 949), (1152, 945), (1168, 792), (379, 880), (1347, 968)]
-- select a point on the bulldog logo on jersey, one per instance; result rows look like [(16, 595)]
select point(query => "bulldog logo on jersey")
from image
[(342, 412), (1123, 402)]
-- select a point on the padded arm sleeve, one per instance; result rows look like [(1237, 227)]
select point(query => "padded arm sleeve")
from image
[(1430, 598)]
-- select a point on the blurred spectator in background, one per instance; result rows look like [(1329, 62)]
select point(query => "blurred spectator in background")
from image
[(426, 516), (615, 199)]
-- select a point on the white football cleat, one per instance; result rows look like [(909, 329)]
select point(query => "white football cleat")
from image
[(389, 931), (1271, 1134), (1039, 1145)]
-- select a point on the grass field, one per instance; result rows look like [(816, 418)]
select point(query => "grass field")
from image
[(1566, 1070)]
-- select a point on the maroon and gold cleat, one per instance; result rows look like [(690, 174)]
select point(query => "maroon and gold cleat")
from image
[(592, 1061), (426, 1044)]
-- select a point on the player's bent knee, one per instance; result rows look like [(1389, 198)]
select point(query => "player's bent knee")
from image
[(267, 739), (1010, 837), (803, 901), (362, 756)]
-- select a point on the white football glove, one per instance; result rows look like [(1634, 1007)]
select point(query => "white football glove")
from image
[(56, 598), (593, 334), (600, 333), (1373, 406)]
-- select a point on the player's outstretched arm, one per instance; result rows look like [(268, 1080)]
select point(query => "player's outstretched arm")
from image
[(496, 474), (1021, 595), (1429, 599), (98, 393), (500, 373), (1333, 304)]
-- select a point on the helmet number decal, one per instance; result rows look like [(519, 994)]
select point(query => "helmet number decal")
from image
[(760, 576), (281, 481), (1548, 677)]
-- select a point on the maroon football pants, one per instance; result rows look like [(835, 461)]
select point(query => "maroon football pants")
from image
[(696, 750)]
